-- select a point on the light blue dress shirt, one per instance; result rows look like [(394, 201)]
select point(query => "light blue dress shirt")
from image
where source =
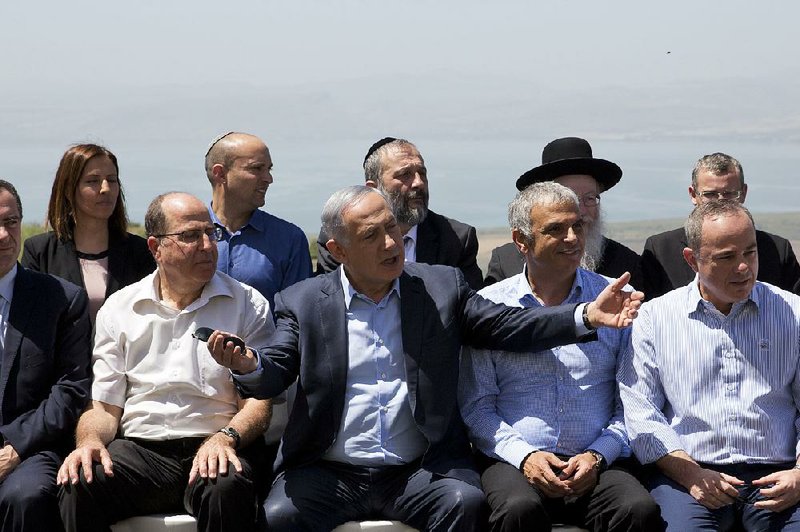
[(563, 400), (378, 427), (268, 253), (725, 389)]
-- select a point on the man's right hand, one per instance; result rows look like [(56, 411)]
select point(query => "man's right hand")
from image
[(230, 356), (713, 489), (83, 457), (540, 470)]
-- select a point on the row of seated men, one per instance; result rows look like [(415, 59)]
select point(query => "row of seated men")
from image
[(374, 429)]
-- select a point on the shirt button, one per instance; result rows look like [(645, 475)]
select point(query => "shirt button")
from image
[(560, 410), (731, 386), (383, 376)]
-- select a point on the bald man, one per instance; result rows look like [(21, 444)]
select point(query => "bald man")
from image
[(256, 248)]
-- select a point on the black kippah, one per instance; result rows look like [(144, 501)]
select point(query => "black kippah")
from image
[(375, 147)]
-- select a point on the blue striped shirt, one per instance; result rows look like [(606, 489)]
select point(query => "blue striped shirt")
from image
[(725, 389), (563, 400)]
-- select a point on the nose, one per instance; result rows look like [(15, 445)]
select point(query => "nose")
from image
[(571, 235), (418, 182), (105, 186), (268, 177)]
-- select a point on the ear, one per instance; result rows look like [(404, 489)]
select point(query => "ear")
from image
[(218, 172), (371, 184), (689, 257), (152, 245), (744, 193), (692, 195), (520, 241), (336, 250)]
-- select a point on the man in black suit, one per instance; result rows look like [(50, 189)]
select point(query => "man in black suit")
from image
[(44, 378), (374, 347), (396, 168), (715, 176), (568, 161)]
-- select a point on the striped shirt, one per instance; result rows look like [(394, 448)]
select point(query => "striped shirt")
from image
[(563, 400), (725, 389)]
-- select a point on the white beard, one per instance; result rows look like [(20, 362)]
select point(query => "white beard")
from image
[(595, 244)]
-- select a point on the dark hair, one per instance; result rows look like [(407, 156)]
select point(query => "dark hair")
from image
[(61, 209), (5, 185), (373, 162), (717, 164)]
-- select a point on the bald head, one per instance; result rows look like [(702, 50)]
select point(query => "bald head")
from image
[(225, 149), (156, 218)]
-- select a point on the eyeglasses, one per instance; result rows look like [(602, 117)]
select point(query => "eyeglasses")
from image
[(590, 200), (193, 236), (712, 195)]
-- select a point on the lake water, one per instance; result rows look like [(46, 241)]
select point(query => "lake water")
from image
[(470, 180)]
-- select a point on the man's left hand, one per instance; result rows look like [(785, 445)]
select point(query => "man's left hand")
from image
[(9, 460), (580, 473), (781, 489), (213, 456), (614, 307)]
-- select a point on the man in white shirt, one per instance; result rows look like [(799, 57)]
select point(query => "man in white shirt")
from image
[(186, 441)]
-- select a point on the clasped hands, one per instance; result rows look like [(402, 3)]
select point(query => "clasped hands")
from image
[(712, 489), (557, 478)]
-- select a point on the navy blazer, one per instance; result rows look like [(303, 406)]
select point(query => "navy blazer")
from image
[(440, 240), (45, 377), (129, 259), (439, 312)]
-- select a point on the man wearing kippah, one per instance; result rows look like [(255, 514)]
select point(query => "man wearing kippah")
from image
[(568, 161), (257, 248), (396, 168)]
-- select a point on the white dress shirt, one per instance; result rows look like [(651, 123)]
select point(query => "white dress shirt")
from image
[(146, 361)]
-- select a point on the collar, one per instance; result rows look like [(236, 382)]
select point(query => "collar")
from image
[(695, 301), (256, 222), (523, 293), (412, 233), (216, 287), (350, 292), (7, 284)]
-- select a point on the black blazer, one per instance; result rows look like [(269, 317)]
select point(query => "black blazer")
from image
[(45, 377), (439, 312), (665, 268), (617, 259), (129, 260), (440, 240)]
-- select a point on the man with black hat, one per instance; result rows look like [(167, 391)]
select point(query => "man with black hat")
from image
[(569, 162), (396, 168)]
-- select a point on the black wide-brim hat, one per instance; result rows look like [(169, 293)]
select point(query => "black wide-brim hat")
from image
[(567, 156)]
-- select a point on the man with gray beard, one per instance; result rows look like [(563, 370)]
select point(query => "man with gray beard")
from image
[(396, 168), (569, 162)]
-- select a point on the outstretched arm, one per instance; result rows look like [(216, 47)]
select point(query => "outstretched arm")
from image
[(615, 307)]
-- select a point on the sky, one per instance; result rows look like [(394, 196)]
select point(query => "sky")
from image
[(480, 87)]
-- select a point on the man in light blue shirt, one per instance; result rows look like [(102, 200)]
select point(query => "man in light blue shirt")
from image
[(550, 423), (257, 248), (711, 386)]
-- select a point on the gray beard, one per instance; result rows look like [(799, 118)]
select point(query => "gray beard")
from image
[(595, 245), (403, 213)]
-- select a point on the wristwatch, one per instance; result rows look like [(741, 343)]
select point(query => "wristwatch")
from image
[(600, 464), (232, 433)]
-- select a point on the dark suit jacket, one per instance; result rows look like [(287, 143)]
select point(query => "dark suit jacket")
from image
[(440, 240), (439, 312), (129, 260), (617, 259), (665, 268), (45, 376)]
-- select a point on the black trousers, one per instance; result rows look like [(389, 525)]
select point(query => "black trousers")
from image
[(323, 495), (618, 502), (29, 495), (151, 477)]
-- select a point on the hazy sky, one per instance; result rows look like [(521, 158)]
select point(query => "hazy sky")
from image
[(467, 81)]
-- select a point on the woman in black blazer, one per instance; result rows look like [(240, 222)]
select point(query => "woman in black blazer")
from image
[(89, 244)]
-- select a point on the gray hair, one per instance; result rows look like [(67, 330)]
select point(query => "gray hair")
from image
[(373, 166), (537, 195), (337, 205), (708, 211), (717, 164), (155, 220)]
